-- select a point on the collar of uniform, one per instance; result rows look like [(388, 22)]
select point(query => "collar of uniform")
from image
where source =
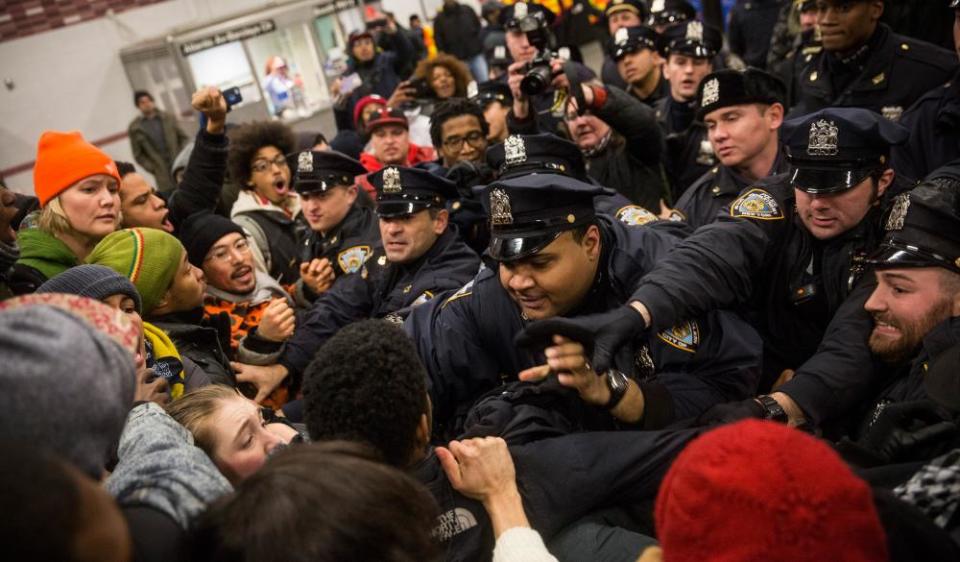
[(732, 183), (942, 337), (874, 75)]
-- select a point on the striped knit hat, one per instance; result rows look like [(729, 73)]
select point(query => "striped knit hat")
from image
[(147, 257)]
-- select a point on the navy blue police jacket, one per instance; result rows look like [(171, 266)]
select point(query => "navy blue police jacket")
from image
[(466, 340), (378, 290)]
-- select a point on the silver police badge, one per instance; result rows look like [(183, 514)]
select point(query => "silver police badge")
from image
[(711, 92), (892, 112), (514, 150), (305, 162), (391, 180), (823, 138), (657, 6), (520, 10), (898, 213), (621, 36), (500, 212), (695, 31)]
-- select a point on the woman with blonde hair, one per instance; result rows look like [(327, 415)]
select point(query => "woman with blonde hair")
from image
[(78, 188)]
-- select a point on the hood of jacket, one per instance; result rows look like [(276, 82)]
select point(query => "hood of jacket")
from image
[(249, 202), (44, 252)]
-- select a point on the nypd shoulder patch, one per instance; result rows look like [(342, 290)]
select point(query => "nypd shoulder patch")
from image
[(685, 337), (756, 204), (635, 215), (352, 259)]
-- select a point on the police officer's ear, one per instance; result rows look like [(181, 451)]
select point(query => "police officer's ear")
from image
[(774, 115), (884, 180), (591, 242), (352, 193), (440, 221)]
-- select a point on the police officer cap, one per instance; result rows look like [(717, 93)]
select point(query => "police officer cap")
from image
[(632, 39), (636, 6), (923, 228), (315, 171), (669, 12), (836, 148), (525, 16), (807, 5), (692, 38), (490, 91), (531, 154), (529, 212), (404, 191), (955, 4), (728, 87)]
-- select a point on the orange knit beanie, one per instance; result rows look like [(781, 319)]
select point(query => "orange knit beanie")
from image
[(63, 159)]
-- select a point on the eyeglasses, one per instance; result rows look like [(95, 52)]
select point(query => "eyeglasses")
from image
[(223, 254), (475, 138), (263, 165)]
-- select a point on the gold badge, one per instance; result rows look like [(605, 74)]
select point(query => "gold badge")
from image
[(823, 138), (892, 112), (500, 212), (305, 162), (695, 31), (711, 92), (898, 213), (391, 180)]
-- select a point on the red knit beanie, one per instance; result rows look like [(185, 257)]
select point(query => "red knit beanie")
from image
[(63, 159), (364, 102), (758, 490)]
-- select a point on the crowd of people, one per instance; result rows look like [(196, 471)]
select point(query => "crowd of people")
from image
[(701, 302)]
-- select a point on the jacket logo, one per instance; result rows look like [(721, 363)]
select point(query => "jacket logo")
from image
[(756, 204), (823, 138), (352, 259), (635, 215), (514, 150), (500, 212), (695, 31), (391, 180), (711, 92), (452, 523), (685, 337), (898, 213), (305, 162)]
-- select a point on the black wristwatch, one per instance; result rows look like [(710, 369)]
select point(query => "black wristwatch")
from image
[(618, 383), (772, 410)]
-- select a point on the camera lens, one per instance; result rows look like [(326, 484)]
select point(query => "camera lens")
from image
[(537, 80)]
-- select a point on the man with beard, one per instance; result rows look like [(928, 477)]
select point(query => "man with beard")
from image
[(742, 113), (790, 256), (420, 257), (260, 310), (343, 230)]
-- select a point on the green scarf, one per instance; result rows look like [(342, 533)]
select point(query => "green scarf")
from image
[(44, 252)]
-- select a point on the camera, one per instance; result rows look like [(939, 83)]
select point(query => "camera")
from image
[(537, 73), (421, 88)]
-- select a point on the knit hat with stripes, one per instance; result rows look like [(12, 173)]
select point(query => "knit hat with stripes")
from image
[(147, 257)]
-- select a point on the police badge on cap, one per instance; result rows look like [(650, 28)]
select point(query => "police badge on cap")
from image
[(515, 150)]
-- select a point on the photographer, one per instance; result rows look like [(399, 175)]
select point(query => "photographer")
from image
[(535, 67), (437, 79)]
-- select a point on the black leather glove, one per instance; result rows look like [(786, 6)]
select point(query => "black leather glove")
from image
[(611, 333), (730, 412), (905, 431)]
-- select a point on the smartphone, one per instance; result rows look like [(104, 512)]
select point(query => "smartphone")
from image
[(349, 83), (232, 96)]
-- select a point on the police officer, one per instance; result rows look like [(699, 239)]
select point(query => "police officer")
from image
[(742, 112), (664, 13), (419, 258), (865, 64), (343, 231), (619, 14), (790, 255), (934, 123), (529, 40), (558, 257), (495, 99), (688, 50), (634, 50)]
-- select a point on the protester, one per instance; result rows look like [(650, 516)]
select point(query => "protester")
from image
[(390, 143), (446, 76), (459, 132), (156, 140)]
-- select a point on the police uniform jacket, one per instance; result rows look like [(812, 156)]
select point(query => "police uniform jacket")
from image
[(896, 72), (467, 339), (714, 192), (689, 153), (561, 480), (791, 286), (347, 246), (378, 290), (934, 123)]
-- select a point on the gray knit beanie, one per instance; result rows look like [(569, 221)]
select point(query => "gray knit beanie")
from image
[(94, 281), (65, 385)]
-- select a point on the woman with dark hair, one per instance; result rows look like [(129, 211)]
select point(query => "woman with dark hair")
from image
[(267, 206), (322, 502), (444, 76)]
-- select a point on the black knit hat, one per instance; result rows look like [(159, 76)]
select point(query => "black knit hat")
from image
[(92, 281), (201, 231), (728, 87)]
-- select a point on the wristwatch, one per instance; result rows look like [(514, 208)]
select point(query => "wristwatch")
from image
[(772, 410), (618, 383)]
